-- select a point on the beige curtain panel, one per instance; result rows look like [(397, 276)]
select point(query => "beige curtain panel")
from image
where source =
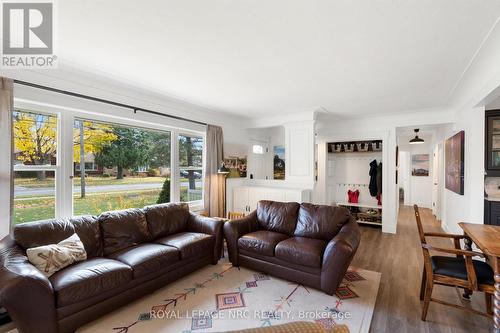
[(6, 180), (214, 183)]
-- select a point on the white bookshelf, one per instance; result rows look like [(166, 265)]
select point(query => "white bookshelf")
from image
[(362, 205)]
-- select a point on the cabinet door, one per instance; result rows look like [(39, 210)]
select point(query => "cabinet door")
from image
[(493, 143), (258, 193), (293, 196), (240, 199), (494, 213)]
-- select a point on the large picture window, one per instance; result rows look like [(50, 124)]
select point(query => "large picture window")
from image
[(190, 167), (125, 167), (66, 164), (35, 138)]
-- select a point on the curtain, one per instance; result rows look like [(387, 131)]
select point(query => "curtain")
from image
[(214, 191), (6, 179)]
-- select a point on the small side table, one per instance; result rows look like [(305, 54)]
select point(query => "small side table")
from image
[(224, 221)]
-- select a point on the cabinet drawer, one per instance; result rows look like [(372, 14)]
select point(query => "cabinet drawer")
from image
[(494, 218), (495, 207)]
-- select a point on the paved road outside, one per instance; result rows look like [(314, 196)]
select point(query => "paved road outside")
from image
[(20, 191)]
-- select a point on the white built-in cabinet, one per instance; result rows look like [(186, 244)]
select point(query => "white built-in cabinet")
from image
[(299, 153), (245, 198)]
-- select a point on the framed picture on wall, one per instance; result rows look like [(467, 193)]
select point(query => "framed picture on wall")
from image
[(278, 162), (454, 163), (237, 166), (420, 165)]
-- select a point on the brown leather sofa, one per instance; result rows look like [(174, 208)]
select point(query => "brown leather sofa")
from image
[(305, 243), (130, 253)]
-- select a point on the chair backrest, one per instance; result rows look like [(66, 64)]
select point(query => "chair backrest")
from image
[(419, 225), (235, 215), (425, 251)]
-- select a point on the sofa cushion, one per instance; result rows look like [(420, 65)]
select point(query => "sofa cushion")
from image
[(88, 278), (87, 228), (301, 251), (277, 216), (320, 221), (45, 232), (122, 229), (167, 219), (54, 257), (261, 242), (190, 244), (147, 258)]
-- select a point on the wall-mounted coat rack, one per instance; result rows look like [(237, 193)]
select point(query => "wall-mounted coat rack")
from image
[(355, 146), (352, 184)]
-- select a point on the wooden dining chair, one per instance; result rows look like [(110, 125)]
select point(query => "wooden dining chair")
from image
[(460, 271), (235, 215)]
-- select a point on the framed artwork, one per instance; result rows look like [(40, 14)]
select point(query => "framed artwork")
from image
[(454, 163), (420, 165), (279, 162), (237, 166)]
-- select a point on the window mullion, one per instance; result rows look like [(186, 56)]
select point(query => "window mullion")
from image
[(64, 176), (175, 188)]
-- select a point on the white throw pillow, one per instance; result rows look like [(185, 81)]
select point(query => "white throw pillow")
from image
[(54, 257)]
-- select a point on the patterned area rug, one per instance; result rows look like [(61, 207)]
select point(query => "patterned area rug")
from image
[(222, 297)]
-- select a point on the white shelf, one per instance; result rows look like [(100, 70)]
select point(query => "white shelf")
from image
[(372, 223), (358, 205)]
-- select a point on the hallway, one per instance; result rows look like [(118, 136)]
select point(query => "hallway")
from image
[(399, 258)]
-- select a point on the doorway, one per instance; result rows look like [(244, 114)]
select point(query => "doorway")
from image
[(421, 165)]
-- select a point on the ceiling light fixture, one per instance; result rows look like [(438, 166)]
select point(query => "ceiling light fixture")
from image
[(416, 140)]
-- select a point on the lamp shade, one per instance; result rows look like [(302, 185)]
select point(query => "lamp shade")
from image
[(416, 140)]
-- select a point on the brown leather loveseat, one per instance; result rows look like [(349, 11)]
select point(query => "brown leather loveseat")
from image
[(305, 243), (129, 253)]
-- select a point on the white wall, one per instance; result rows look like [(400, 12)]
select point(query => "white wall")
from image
[(470, 206), (404, 175)]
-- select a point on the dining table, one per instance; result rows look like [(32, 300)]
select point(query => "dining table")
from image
[(487, 239)]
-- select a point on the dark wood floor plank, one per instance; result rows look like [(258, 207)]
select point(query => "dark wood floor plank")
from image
[(399, 258)]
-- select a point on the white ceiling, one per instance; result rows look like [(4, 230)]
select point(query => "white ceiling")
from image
[(258, 58)]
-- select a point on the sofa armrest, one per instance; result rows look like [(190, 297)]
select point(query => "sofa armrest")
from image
[(234, 229), (25, 292), (338, 256), (210, 226)]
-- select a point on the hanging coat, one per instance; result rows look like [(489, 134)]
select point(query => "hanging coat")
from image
[(373, 179), (379, 178)]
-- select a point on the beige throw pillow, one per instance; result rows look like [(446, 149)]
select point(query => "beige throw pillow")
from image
[(54, 257)]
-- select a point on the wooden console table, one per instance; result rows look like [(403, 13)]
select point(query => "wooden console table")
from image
[(487, 238)]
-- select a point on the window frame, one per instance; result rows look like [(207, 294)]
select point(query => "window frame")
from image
[(64, 168), (196, 204), (56, 168)]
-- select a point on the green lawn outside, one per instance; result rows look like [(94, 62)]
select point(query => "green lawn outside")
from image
[(89, 180), (27, 210)]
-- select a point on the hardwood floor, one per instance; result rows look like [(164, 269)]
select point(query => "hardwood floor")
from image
[(399, 258)]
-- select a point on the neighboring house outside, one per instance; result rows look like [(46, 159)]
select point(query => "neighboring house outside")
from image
[(92, 168)]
